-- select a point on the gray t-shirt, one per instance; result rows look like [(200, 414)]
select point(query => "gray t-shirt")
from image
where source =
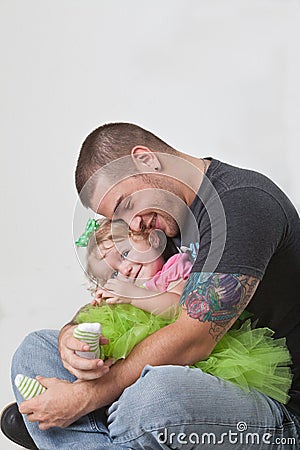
[(247, 225)]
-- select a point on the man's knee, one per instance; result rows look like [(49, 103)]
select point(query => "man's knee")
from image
[(36, 339), (33, 345), (154, 392), (148, 404), (159, 388)]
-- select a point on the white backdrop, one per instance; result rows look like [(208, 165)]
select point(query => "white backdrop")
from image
[(209, 77)]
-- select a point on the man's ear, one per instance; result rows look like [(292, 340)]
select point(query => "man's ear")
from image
[(145, 159), (154, 240), (158, 240)]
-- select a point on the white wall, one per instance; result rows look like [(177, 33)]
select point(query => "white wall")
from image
[(210, 77)]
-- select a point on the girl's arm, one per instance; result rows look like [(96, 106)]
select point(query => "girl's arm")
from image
[(159, 303)]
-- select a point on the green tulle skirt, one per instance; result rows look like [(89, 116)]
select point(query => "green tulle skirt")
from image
[(248, 357)]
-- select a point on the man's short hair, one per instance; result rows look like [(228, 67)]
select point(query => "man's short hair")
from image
[(108, 143)]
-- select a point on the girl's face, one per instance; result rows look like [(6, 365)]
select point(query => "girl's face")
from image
[(130, 260)]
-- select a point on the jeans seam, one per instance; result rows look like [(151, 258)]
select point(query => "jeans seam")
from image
[(93, 422)]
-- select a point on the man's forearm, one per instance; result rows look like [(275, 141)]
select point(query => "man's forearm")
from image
[(166, 346), (72, 321), (183, 342)]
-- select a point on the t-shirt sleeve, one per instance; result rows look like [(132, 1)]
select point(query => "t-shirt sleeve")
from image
[(178, 267), (255, 224)]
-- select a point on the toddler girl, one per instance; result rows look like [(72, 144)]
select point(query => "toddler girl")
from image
[(136, 268)]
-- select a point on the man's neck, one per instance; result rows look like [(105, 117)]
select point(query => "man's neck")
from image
[(190, 171)]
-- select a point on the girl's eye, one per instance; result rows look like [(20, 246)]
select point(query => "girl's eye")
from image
[(114, 274), (125, 254)]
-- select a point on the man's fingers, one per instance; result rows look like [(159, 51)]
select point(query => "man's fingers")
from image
[(79, 346), (103, 340), (31, 417), (46, 425), (109, 362), (79, 363), (88, 369), (91, 374), (47, 382), (76, 345), (27, 406)]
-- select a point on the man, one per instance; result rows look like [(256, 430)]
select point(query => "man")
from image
[(248, 234)]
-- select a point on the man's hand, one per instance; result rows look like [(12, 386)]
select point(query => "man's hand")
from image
[(60, 405), (82, 368)]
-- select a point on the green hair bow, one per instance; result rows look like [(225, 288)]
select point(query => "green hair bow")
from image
[(90, 228)]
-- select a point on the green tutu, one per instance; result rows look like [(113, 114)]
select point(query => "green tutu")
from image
[(248, 357)]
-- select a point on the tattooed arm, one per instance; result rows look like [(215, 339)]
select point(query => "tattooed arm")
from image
[(217, 298)]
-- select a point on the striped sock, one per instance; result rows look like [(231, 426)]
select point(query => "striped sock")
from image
[(89, 333), (29, 387)]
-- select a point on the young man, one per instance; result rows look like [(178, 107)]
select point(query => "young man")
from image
[(248, 234)]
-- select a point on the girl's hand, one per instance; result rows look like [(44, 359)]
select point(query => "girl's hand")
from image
[(117, 291), (99, 296)]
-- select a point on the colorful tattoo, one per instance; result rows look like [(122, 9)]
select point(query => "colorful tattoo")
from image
[(218, 298)]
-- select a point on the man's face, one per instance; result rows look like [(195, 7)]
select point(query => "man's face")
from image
[(141, 205)]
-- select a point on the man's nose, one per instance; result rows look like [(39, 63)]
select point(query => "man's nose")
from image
[(126, 268)]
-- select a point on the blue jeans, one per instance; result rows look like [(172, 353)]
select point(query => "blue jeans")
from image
[(167, 407)]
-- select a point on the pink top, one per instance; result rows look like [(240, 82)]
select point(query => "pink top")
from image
[(177, 267)]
